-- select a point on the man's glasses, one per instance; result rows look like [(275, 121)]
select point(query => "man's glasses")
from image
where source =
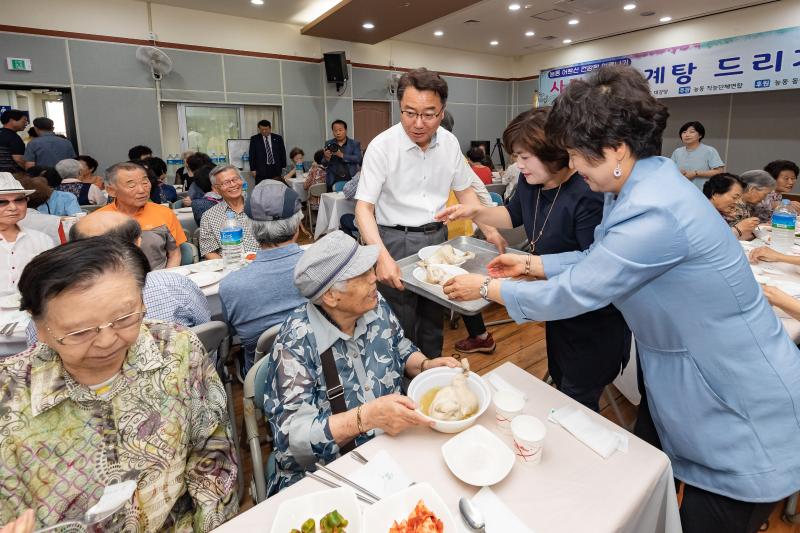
[(22, 200), (426, 117), (85, 335), (230, 183)]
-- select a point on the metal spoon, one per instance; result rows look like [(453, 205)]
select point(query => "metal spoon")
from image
[(113, 499), (471, 515)]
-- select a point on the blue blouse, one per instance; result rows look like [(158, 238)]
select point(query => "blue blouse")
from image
[(61, 204)]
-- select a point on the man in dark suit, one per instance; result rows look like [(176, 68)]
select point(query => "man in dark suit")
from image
[(267, 153)]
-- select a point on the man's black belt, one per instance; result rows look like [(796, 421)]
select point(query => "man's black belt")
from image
[(427, 228)]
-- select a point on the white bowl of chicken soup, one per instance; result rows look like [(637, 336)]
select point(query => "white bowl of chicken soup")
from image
[(447, 404)]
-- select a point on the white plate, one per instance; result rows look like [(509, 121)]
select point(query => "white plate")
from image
[(213, 265), (183, 271), (421, 276), (478, 457), (204, 279), (292, 513), (381, 515), (428, 251), (10, 301), (184, 210), (792, 289)]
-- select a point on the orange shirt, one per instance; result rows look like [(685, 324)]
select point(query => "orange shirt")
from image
[(153, 215)]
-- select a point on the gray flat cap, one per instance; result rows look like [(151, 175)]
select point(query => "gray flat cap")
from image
[(335, 257), (272, 200)]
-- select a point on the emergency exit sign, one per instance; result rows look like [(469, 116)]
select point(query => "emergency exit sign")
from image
[(18, 63)]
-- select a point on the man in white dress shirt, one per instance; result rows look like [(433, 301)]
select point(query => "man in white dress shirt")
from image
[(406, 178), (17, 246)]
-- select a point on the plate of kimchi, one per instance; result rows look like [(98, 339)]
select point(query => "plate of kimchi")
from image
[(417, 509)]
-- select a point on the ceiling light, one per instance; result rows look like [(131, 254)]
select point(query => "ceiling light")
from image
[(494, 43), (368, 25), (665, 19), (438, 33), (513, 7), (573, 22), (257, 2), (566, 41), (529, 34), (629, 7)]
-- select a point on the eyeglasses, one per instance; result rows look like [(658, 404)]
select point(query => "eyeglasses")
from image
[(426, 117), (85, 335), (230, 183), (19, 201)]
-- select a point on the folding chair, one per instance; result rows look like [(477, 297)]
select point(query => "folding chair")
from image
[(496, 198), (315, 190), (254, 385), (216, 339), (497, 188), (265, 340), (189, 253), (339, 186)]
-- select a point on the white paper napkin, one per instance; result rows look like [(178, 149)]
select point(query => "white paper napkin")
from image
[(601, 440), (15, 315), (498, 517), (381, 475), (500, 384)]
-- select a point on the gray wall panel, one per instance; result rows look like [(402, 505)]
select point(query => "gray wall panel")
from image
[(525, 91), (193, 96), (303, 123), (302, 78), (491, 123), (464, 117), (339, 108), (249, 98), (108, 64), (461, 90), (48, 59), (99, 108), (369, 84), (493, 92), (252, 75), (194, 71), (712, 111)]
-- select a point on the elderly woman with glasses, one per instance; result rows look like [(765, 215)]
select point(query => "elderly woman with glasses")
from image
[(757, 185), (107, 397)]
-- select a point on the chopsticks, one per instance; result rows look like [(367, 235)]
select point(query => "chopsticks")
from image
[(333, 485), (346, 481)]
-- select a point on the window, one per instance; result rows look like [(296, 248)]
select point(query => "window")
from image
[(207, 128)]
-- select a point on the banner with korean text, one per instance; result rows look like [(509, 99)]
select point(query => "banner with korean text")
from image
[(767, 61)]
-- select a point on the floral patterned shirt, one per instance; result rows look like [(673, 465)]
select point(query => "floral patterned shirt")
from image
[(739, 212), (162, 421), (315, 175), (371, 364)]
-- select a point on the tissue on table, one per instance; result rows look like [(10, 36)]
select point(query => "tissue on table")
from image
[(381, 475), (601, 440), (500, 384), (496, 514)]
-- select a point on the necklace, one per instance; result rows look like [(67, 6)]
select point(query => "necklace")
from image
[(546, 218)]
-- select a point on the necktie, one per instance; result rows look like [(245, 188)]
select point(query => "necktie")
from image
[(270, 159)]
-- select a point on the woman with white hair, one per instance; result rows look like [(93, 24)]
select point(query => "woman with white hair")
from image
[(86, 193), (757, 185)]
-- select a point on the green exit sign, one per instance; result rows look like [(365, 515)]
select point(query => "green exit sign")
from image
[(18, 63)]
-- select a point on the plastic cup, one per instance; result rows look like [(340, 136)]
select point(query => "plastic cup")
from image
[(507, 405), (528, 432)]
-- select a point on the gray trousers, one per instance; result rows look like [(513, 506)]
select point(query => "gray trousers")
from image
[(422, 319)]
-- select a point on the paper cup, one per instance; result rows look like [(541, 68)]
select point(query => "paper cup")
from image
[(507, 405), (528, 432)]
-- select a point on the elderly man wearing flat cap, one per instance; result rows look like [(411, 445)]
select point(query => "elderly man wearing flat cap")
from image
[(262, 294), (338, 362), (17, 245)]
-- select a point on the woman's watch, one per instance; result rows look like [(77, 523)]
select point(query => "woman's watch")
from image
[(484, 290)]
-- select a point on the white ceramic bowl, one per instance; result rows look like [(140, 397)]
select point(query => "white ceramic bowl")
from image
[(381, 515), (292, 513), (441, 377)]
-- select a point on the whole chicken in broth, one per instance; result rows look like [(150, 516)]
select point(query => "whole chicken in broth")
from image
[(455, 401)]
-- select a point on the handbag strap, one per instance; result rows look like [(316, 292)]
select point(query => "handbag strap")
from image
[(335, 391)]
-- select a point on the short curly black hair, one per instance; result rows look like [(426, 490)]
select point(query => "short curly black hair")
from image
[(611, 107), (776, 167)]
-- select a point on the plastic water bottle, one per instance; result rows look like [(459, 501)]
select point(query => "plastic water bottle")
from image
[(783, 222), (231, 239), (214, 158), (244, 188)]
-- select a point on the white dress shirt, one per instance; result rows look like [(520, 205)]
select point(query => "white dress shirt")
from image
[(50, 225), (408, 185), (15, 255)]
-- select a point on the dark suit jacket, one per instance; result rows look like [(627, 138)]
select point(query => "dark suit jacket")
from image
[(258, 156)]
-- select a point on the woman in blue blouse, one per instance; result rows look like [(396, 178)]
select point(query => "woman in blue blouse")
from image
[(560, 212), (722, 376)]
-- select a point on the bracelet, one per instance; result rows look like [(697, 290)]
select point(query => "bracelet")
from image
[(422, 365), (528, 265), (359, 424), (738, 231)]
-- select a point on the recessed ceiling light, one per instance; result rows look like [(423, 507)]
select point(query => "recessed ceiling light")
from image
[(438, 33), (529, 34), (257, 2), (573, 22), (629, 7), (494, 43), (368, 25), (566, 41), (513, 7), (665, 19)]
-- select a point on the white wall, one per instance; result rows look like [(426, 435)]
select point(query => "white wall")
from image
[(750, 20)]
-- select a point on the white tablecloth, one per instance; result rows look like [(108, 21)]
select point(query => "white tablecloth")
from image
[(297, 185), (571, 490), (17, 341), (332, 206)]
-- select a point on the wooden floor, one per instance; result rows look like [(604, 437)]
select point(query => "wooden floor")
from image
[(523, 345)]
